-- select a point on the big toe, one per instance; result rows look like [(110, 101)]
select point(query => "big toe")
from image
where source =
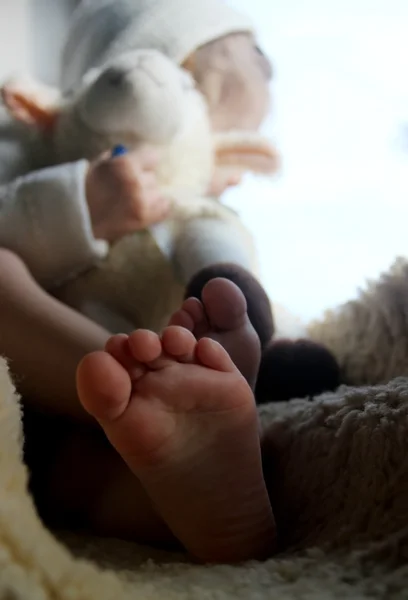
[(104, 386), (224, 304)]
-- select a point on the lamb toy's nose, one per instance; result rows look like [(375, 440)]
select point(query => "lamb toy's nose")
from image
[(116, 77)]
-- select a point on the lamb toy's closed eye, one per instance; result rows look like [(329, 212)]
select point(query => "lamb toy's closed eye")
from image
[(141, 97)]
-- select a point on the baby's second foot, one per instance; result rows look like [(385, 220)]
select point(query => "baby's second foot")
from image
[(184, 419), (222, 316)]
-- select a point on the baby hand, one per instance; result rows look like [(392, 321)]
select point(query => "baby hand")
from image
[(122, 193)]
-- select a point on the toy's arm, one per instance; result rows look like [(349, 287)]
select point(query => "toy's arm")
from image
[(44, 219), (204, 241), (212, 233), (204, 232)]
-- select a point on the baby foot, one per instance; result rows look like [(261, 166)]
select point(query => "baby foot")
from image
[(184, 419), (222, 316)]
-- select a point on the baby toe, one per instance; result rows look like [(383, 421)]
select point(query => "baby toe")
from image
[(212, 355), (181, 318), (195, 309), (179, 343), (118, 347), (191, 316), (104, 386), (145, 346)]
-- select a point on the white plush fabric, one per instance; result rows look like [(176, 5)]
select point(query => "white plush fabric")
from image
[(43, 213), (140, 97), (47, 208), (368, 335), (144, 97)]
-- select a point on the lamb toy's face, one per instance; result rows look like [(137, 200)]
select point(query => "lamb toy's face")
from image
[(142, 93), (140, 97)]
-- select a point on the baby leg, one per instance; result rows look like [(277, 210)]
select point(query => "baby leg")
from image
[(43, 339)]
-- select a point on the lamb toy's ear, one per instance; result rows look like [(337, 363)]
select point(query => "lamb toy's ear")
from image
[(31, 102), (243, 151)]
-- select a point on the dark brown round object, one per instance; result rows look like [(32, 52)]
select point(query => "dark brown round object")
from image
[(295, 369)]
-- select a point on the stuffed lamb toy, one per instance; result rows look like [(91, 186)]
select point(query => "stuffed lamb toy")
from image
[(141, 98)]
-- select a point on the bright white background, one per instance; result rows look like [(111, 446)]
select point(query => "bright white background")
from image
[(338, 213), (14, 35)]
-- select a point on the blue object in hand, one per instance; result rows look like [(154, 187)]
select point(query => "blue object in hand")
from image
[(119, 150)]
